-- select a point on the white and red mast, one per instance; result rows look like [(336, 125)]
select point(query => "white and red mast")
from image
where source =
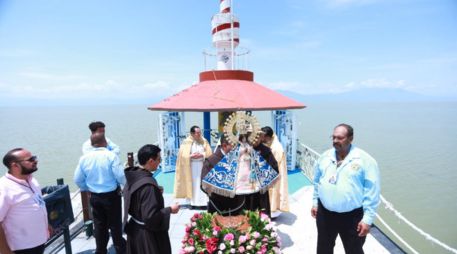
[(225, 32)]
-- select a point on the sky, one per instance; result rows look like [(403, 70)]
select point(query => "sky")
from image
[(113, 51)]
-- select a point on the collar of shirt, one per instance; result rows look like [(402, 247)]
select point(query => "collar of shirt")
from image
[(17, 180)]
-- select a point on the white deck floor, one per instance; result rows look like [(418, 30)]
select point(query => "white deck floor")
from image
[(296, 228)]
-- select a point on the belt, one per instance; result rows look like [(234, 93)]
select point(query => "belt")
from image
[(137, 221)]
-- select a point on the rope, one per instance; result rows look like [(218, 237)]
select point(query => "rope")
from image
[(390, 207), (396, 235), (427, 236)]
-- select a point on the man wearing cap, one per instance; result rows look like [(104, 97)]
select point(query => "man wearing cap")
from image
[(23, 216)]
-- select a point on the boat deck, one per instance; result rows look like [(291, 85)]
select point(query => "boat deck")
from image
[(296, 228)]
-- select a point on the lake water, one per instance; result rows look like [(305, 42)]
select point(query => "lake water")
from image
[(412, 142)]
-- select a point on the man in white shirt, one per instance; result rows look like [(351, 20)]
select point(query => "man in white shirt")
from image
[(99, 127)]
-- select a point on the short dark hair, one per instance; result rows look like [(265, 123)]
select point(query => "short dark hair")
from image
[(268, 131), (146, 152), (192, 129), (95, 125), (348, 128), (10, 157)]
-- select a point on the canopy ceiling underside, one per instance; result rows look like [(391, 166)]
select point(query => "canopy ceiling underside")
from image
[(226, 95)]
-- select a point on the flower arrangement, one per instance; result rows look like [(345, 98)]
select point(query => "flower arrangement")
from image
[(250, 233)]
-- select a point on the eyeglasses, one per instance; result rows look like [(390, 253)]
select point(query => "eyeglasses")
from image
[(337, 137), (31, 159)]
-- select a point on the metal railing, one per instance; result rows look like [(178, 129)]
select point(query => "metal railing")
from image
[(306, 161)]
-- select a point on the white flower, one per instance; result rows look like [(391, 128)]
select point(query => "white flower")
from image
[(222, 246), (277, 250), (189, 249)]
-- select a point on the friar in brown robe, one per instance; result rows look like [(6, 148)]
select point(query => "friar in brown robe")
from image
[(147, 228)]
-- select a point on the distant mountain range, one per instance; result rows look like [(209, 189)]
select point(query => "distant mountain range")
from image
[(365, 95)]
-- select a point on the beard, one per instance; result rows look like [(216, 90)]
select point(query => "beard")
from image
[(28, 171)]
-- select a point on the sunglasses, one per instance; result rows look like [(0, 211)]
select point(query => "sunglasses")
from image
[(31, 159)]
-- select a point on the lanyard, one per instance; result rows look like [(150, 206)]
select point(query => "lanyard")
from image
[(28, 184)]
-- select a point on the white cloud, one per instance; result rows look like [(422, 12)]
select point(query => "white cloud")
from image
[(50, 77), (107, 89), (333, 88), (377, 83)]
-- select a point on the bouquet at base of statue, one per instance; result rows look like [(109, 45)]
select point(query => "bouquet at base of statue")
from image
[(209, 233)]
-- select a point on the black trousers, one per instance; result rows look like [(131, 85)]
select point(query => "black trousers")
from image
[(35, 250), (330, 224), (107, 214)]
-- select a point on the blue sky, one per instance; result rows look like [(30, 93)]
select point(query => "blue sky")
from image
[(89, 51)]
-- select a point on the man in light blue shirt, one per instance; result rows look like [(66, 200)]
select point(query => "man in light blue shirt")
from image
[(346, 194), (101, 173)]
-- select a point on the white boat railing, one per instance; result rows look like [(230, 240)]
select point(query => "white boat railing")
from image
[(306, 161)]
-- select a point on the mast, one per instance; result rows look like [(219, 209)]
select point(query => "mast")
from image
[(225, 35)]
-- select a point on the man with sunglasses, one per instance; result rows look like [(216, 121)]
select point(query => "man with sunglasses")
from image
[(23, 216)]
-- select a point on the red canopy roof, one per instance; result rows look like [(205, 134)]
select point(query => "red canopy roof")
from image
[(226, 95)]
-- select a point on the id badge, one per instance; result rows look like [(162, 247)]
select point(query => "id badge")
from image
[(332, 179), (39, 200)]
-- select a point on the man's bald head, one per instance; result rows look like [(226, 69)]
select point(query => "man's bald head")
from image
[(97, 139)]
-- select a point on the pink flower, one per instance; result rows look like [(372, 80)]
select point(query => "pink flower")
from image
[(256, 234), (264, 217), (188, 228), (191, 241), (229, 237), (265, 239), (241, 249), (263, 249), (242, 239)]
